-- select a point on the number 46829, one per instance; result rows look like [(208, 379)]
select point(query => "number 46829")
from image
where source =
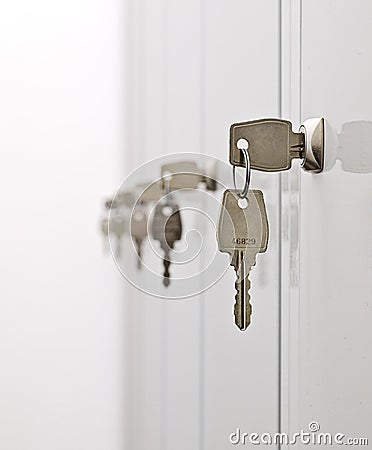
[(243, 241)]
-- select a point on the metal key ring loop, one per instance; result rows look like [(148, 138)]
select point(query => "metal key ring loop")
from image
[(244, 192)]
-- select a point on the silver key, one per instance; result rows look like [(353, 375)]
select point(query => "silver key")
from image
[(167, 229), (271, 144), (104, 225), (181, 175), (125, 198), (118, 226), (150, 192), (242, 232), (188, 175), (138, 230)]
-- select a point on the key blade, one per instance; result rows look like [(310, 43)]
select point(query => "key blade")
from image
[(242, 306), (138, 246), (242, 309), (166, 265), (242, 232)]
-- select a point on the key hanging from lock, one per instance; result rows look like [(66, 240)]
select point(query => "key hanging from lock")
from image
[(138, 229), (243, 232), (272, 145), (167, 230), (118, 226), (104, 227)]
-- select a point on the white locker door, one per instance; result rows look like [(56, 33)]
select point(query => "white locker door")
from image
[(194, 68), (327, 251)]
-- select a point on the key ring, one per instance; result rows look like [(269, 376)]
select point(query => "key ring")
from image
[(247, 161)]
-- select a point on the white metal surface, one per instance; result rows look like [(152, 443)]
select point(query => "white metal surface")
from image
[(328, 302)]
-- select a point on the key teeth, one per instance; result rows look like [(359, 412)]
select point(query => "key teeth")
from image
[(166, 274), (253, 264), (239, 318), (242, 318), (249, 266)]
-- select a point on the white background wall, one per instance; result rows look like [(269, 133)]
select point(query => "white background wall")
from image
[(61, 309)]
